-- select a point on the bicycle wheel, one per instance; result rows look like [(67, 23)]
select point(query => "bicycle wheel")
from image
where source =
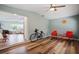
[(42, 35), (33, 37)]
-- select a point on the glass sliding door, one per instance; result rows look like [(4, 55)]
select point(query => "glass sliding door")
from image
[(15, 26)]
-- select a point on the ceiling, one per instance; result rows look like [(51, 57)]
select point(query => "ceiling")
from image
[(42, 9)]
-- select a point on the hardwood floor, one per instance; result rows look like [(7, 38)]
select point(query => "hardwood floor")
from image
[(47, 46)]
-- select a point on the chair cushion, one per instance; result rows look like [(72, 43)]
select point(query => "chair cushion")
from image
[(54, 33), (69, 34)]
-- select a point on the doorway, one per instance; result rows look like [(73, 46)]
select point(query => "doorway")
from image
[(17, 27)]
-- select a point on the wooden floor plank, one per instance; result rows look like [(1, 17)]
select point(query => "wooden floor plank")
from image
[(61, 47), (68, 47), (58, 46), (72, 48), (64, 48), (50, 46), (38, 44), (76, 44), (39, 48)]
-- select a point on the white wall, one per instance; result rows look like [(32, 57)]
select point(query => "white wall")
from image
[(34, 20)]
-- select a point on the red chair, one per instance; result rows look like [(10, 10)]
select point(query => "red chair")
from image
[(54, 33), (69, 34)]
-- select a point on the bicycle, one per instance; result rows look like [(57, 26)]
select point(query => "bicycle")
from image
[(36, 36)]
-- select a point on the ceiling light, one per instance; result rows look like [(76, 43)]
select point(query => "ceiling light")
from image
[(51, 9)]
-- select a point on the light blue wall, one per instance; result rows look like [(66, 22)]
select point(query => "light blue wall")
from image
[(72, 24)]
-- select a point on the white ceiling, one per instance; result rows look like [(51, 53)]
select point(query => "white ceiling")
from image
[(42, 9)]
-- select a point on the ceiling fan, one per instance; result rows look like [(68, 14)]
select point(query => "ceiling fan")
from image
[(53, 7)]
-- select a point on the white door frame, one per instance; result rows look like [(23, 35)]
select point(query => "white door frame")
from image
[(26, 28)]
